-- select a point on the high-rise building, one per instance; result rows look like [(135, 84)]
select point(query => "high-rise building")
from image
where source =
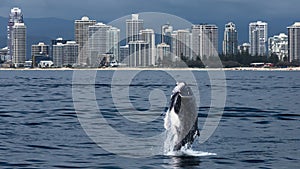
[(39, 52), (114, 43), (15, 16), (181, 44), (97, 43), (204, 40), (244, 48), (258, 37), (40, 49), (59, 40), (71, 49), (294, 42), (166, 31), (139, 54), (133, 27), (65, 54), (104, 39), (148, 36), (124, 54), (196, 31), (230, 42), (278, 45), (58, 54), (4, 54), (163, 53), (82, 36), (18, 44), (55, 42)]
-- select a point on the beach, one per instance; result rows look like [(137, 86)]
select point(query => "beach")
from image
[(158, 69)]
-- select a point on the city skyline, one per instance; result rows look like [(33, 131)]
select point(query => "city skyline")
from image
[(218, 12), (277, 24), (184, 40)]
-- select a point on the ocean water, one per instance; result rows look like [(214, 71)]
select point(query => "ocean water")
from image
[(39, 126)]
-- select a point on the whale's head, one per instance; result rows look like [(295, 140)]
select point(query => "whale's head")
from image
[(181, 94)]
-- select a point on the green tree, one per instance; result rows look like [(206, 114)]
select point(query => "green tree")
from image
[(273, 58)]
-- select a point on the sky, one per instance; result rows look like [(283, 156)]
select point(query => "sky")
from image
[(278, 13), (192, 10)]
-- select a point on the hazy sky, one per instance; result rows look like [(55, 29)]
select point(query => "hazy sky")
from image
[(192, 10), (278, 13)]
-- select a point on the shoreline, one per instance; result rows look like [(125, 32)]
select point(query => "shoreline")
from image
[(154, 69)]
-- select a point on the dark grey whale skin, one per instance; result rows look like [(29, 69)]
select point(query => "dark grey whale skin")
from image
[(184, 105)]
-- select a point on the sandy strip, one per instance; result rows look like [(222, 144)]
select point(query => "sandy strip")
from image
[(162, 69)]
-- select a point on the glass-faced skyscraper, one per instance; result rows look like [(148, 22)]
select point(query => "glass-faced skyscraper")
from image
[(258, 37), (15, 16), (230, 42)]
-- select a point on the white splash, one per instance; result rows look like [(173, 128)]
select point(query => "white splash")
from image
[(189, 152), (171, 124)]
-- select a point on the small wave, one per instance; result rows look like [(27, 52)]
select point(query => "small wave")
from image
[(43, 147)]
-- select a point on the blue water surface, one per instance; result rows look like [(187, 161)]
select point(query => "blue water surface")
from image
[(39, 128)]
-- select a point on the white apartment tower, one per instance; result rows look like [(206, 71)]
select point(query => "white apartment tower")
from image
[(18, 44), (58, 54), (204, 40), (104, 39), (278, 45), (244, 48), (258, 37), (139, 54), (71, 49), (82, 36), (166, 31), (294, 42), (114, 42), (15, 16), (65, 54), (124, 54), (148, 36), (230, 42), (181, 44), (163, 52), (40, 49), (133, 27)]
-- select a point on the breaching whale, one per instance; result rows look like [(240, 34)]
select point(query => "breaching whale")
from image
[(181, 121)]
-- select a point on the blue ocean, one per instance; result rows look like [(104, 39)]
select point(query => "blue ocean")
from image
[(41, 120)]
